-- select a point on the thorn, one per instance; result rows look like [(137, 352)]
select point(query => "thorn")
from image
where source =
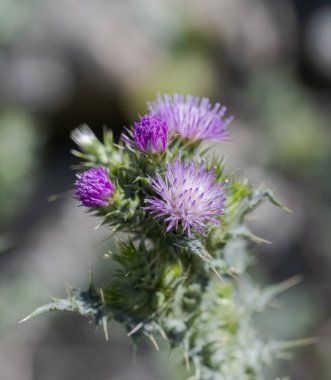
[(299, 343), (187, 360), (260, 240), (152, 339), (105, 327), (98, 225), (292, 281), (25, 319), (162, 333), (218, 275), (102, 296), (135, 329)]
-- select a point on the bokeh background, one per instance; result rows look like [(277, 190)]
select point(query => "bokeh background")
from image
[(63, 63)]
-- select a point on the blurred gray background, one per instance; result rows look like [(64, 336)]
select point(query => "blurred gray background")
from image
[(63, 63)]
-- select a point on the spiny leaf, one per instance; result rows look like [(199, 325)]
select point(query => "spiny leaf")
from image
[(56, 305), (87, 303)]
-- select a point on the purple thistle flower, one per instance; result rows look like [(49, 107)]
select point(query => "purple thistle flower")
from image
[(188, 195), (191, 117), (94, 188), (149, 135)]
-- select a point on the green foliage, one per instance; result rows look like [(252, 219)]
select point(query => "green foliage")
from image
[(84, 302)]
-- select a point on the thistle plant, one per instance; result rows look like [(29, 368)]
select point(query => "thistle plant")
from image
[(180, 273)]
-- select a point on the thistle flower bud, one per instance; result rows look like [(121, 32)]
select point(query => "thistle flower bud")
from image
[(150, 135), (94, 188), (83, 136), (191, 117)]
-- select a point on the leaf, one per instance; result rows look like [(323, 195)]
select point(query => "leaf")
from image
[(256, 198), (87, 303), (259, 299)]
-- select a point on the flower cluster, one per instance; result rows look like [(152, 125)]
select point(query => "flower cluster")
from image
[(180, 218), (188, 196)]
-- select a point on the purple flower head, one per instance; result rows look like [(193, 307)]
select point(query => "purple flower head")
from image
[(149, 135), (94, 188), (188, 195), (191, 117)]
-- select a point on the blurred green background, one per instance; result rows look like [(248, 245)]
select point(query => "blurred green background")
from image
[(97, 62)]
